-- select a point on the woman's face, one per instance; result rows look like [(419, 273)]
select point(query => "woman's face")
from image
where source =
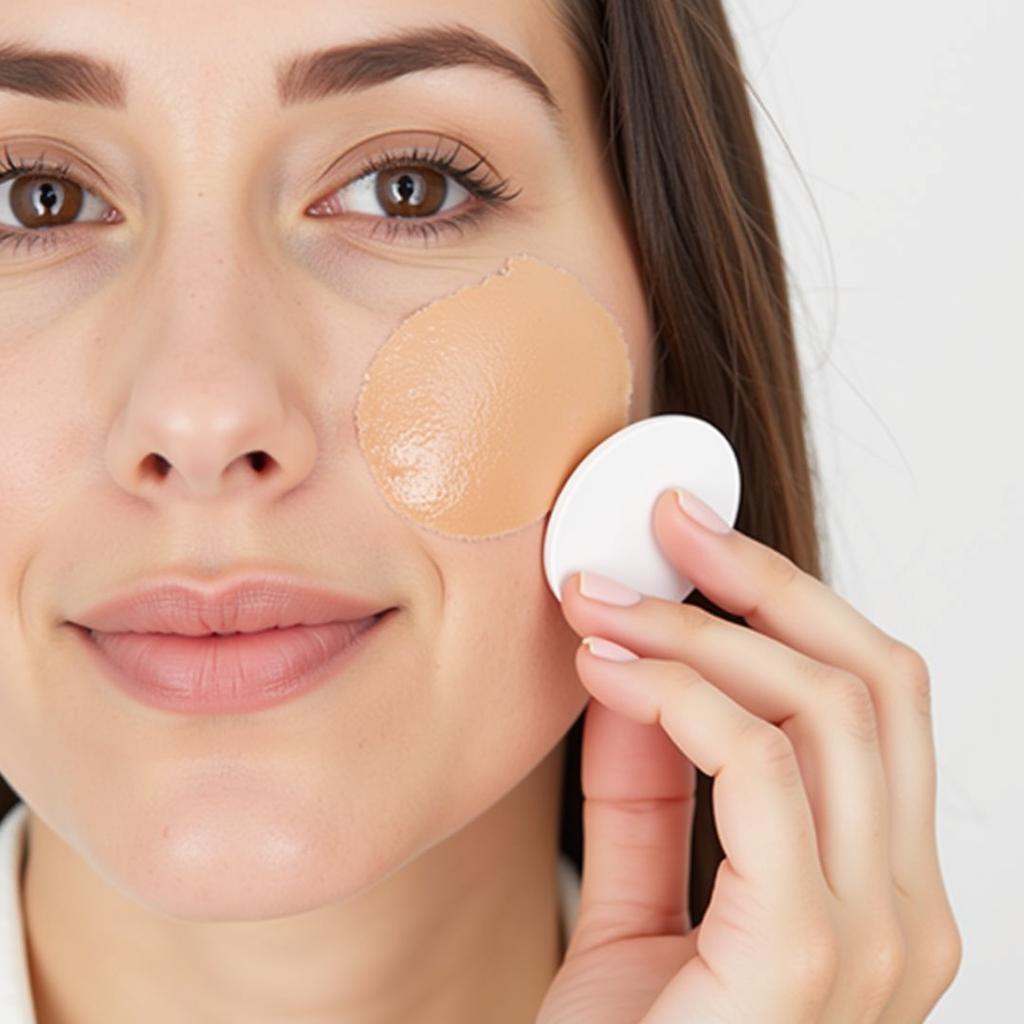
[(197, 309)]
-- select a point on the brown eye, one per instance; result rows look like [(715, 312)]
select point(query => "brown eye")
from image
[(411, 192), (39, 201)]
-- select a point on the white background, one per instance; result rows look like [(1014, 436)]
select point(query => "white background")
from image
[(901, 215)]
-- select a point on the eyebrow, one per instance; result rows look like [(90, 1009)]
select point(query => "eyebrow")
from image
[(65, 76), (61, 76)]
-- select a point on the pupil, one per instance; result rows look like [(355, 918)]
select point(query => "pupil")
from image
[(49, 198), (406, 188)]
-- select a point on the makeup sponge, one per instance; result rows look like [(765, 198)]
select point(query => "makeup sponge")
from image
[(602, 518)]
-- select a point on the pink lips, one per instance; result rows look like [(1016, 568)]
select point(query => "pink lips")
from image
[(167, 647)]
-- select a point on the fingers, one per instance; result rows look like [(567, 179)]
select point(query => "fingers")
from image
[(815, 696), (773, 594), (638, 801), (827, 714), (781, 601), (761, 809)]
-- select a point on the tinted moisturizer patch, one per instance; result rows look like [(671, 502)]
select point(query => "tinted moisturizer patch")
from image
[(477, 408)]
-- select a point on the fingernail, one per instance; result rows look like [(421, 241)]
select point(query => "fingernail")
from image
[(608, 591), (697, 510), (606, 649)]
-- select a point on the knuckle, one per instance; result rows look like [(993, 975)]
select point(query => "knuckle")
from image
[(683, 676), (771, 749), (692, 617), (886, 961), (848, 700), (783, 570), (912, 670), (814, 963), (942, 955)]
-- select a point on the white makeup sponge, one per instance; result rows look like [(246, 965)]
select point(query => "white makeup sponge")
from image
[(602, 519)]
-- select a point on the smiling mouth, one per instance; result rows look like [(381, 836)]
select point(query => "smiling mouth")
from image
[(222, 672)]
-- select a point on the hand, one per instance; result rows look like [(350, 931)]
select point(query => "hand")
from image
[(829, 906)]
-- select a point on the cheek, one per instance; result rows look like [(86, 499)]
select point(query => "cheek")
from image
[(476, 409), (506, 688)]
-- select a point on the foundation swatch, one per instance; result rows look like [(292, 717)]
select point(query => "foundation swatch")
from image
[(478, 406)]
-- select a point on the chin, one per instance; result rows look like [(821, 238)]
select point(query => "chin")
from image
[(238, 860)]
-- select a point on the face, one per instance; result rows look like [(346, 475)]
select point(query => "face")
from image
[(232, 272)]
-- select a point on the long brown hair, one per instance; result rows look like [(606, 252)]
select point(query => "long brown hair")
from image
[(681, 139), (675, 109)]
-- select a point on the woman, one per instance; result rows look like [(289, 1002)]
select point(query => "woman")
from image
[(211, 224)]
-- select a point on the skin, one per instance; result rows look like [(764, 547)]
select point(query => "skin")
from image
[(816, 725), (387, 849), (318, 863)]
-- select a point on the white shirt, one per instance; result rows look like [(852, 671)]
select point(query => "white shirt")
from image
[(15, 991)]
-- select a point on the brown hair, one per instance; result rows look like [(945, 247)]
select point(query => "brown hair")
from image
[(681, 139), (675, 109)]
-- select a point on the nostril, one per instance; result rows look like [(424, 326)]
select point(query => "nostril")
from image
[(257, 460), (159, 464)]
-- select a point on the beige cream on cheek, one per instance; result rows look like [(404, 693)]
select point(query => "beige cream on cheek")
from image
[(479, 405)]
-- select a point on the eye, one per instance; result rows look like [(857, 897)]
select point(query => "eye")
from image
[(399, 193), (403, 192), (40, 200), (423, 194)]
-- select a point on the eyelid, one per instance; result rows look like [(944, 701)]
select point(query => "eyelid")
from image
[(443, 157), (70, 167)]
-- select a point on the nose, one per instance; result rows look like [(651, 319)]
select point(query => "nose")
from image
[(213, 383)]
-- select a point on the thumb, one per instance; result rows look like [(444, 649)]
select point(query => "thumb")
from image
[(639, 792)]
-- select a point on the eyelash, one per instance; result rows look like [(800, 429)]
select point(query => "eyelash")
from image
[(491, 196)]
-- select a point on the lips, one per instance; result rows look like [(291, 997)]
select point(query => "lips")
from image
[(248, 605), (181, 647)]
